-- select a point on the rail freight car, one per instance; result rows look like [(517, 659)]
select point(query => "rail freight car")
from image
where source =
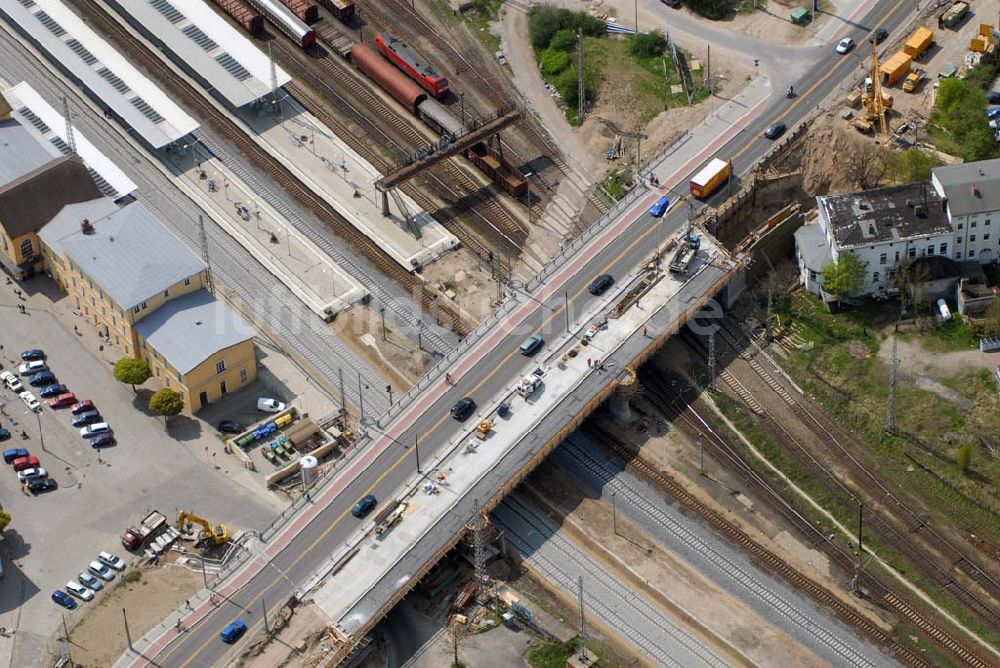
[(304, 11), (246, 16), (411, 62), (342, 10), (494, 166), (388, 78), (286, 21)]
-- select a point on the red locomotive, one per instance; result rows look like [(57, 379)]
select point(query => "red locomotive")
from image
[(411, 62)]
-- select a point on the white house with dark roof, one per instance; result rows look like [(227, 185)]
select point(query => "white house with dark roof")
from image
[(971, 194)]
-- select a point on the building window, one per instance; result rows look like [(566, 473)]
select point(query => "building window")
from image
[(944, 249), (897, 256), (973, 224), (958, 255), (972, 238), (812, 275), (220, 366), (930, 250), (987, 223), (27, 248), (883, 258), (913, 252), (958, 241), (986, 237), (875, 277), (892, 274), (187, 281), (243, 375)]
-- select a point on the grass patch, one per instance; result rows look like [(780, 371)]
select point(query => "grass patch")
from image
[(617, 183), (548, 654), (132, 576), (951, 336)]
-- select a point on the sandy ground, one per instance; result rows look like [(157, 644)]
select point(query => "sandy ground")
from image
[(396, 357), (99, 639), (470, 279), (302, 642), (915, 361), (772, 22)]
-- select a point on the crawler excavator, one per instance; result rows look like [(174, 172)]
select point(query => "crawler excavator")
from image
[(217, 535)]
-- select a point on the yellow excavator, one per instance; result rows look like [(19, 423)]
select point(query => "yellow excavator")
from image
[(216, 535)]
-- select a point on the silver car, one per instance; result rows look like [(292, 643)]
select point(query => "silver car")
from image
[(78, 590), (88, 580), (101, 570), (112, 560)]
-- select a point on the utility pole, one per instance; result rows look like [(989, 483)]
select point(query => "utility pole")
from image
[(263, 607), (479, 549), (890, 408), (70, 138), (343, 401), (861, 523), (583, 623), (701, 452), (566, 309), (128, 636), (614, 513), (203, 242), (581, 102), (361, 401), (711, 360), (416, 450), (275, 102)]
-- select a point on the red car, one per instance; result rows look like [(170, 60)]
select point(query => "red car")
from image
[(62, 400), (29, 462), (81, 406)]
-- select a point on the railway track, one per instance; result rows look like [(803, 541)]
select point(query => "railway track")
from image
[(951, 556), (876, 589), (709, 555), (131, 46)]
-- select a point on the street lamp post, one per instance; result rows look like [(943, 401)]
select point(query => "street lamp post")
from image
[(388, 388), (614, 513)]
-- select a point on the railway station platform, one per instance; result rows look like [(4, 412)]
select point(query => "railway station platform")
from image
[(311, 274), (32, 109), (333, 170), (372, 571)]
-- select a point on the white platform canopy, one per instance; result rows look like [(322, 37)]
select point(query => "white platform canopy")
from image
[(211, 49), (102, 70), (35, 112)]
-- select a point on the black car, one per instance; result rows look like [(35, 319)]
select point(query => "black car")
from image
[(88, 417), (364, 506), (776, 130), (879, 35), (32, 355), (102, 441), (993, 97), (39, 485), (463, 409), (231, 427), (600, 284)]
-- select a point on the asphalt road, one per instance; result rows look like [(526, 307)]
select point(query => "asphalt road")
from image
[(312, 547)]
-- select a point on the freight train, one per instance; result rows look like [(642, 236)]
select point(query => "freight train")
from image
[(342, 10), (247, 17), (286, 21), (411, 62), (304, 11)]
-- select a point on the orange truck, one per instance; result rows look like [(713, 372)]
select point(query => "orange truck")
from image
[(711, 176), (919, 41), (895, 68)]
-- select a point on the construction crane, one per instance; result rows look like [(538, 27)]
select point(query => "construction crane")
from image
[(872, 102), (217, 535)]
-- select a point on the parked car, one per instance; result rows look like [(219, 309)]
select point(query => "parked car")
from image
[(31, 474), (95, 429), (845, 45), (33, 355), (659, 207), (10, 454), (102, 441), (268, 405), (233, 631), (463, 409), (30, 401), (4, 434), (101, 570), (53, 390), (231, 427), (600, 284), (39, 485), (42, 378), (532, 345), (775, 130), (63, 400), (12, 382), (80, 591), (64, 599), (81, 406), (112, 560), (31, 367), (88, 580), (26, 462), (83, 419), (364, 506)]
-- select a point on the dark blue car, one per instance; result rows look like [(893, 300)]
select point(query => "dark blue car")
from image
[(4, 434), (83, 419), (102, 441), (233, 631), (10, 454), (42, 378), (659, 207), (53, 391), (32, 355), (64, 599)]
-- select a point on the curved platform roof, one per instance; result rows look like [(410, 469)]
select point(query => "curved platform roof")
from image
[(206, 45), (101, 69)]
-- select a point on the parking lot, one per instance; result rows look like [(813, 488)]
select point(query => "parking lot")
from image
[(53, 536)]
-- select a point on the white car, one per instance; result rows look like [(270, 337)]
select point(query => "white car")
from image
[(95, 429), (29, 368), (80, 591), (89, 581), (101, 570), (30, 401), (845, 45), (12, 381), (111, 560), (31, 474), (270, 405)]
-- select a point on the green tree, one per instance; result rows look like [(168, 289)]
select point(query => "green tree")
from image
[(650, 45), (845, 276), (131, 371), (711, 9), (543, 23), (4, 519), (913, 165), (960, 111), (563, 40), (964, 457), (166, 402), (553, 62)]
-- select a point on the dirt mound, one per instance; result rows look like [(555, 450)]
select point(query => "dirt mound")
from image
[(820, 156)]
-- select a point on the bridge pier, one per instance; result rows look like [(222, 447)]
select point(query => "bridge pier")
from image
[(627, 388)]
